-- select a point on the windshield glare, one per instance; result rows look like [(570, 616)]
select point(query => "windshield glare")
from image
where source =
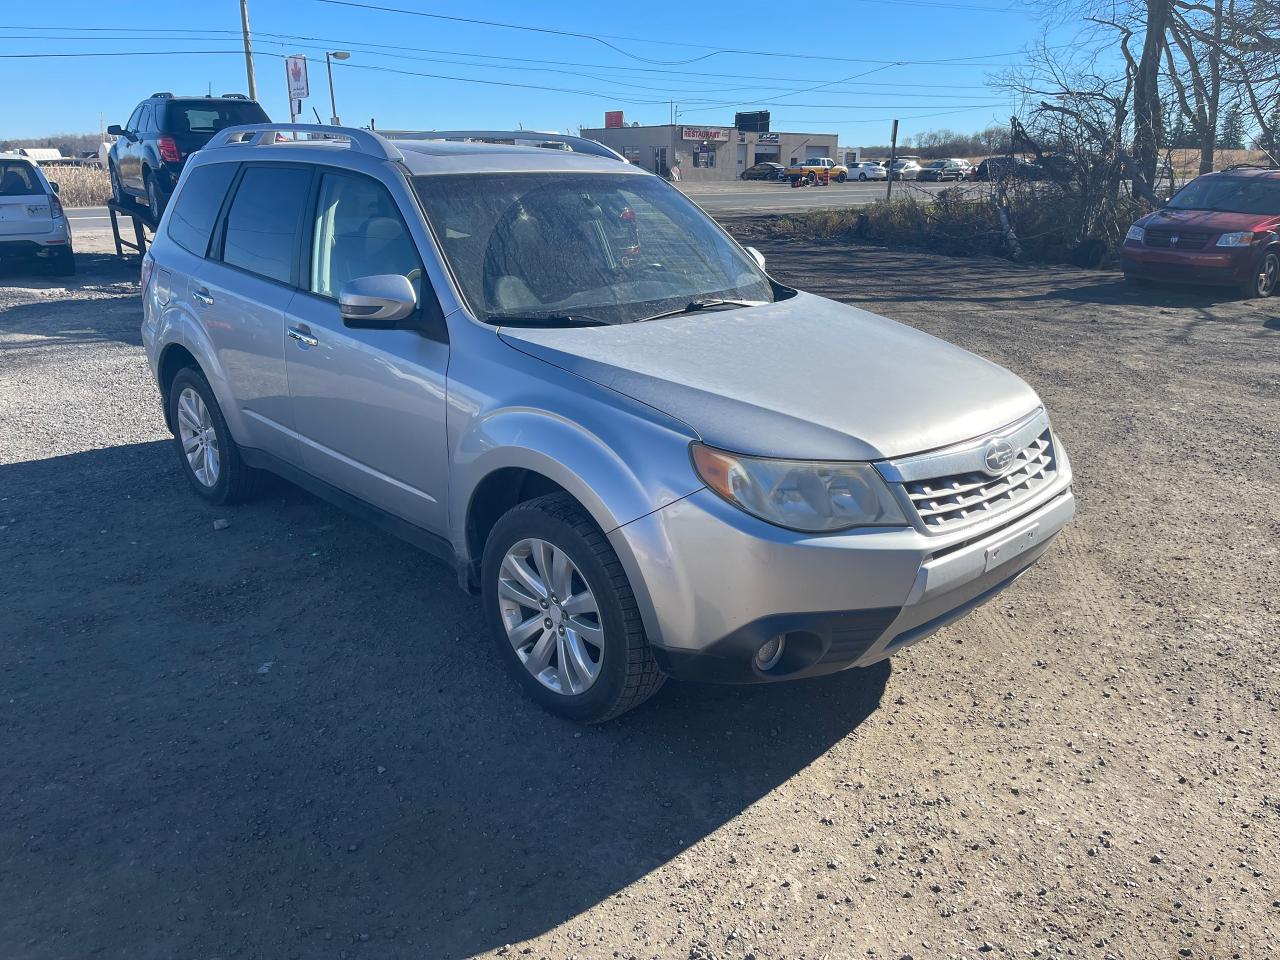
[(613, 248), (1230, 195)]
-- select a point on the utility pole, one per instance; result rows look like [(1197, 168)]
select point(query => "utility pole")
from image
[(893, 155), (248, 50)]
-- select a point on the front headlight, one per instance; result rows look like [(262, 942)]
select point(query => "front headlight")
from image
[(811, 496), (1135, 233), (1239, 239)]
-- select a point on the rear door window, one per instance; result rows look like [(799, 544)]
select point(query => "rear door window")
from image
[(18, 179), (196, 208), (262, 224)]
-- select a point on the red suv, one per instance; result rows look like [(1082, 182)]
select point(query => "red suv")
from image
[(1221, 228)]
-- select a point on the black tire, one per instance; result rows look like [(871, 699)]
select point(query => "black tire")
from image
[(1266, 278), (628, 674), (236, 481), (862, 177), (841, 177), (64, 263), (156, 199), (117, 188)]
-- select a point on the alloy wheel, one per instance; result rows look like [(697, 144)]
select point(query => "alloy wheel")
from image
[(551, 616), (1269, 275), (199, 438)]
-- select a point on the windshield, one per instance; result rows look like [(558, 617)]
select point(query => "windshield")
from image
[(553, 248), (1230, 195)]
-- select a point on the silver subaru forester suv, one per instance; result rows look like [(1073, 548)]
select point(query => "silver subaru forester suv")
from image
[(550, 368)]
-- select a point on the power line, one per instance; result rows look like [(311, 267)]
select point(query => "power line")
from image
[(605, 39)]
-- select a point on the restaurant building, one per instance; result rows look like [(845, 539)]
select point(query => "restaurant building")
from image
[(709, 153)]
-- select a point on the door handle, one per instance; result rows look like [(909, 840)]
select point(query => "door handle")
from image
[(303, 335), (203, 296)]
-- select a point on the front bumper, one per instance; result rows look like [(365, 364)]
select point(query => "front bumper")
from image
[(714, 584), (1213, 265)]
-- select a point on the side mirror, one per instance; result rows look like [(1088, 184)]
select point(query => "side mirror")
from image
[(757, 256), (53, 185), (115, 130), (376, 303)]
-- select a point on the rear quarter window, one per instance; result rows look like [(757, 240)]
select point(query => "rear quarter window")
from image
[(196, 207)]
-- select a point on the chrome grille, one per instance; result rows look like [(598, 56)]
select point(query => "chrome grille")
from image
[(952, 501), (1177, 239)]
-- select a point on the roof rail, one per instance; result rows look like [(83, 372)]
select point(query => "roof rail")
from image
[(259, 134), (576, 144)]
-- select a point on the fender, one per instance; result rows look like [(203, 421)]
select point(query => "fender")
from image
[(638, 467)]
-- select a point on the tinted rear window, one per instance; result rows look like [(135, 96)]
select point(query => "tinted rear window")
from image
[(195, 210), (263, 221), (18, 179), (207, 117)]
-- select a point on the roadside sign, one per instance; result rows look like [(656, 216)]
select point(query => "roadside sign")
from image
[(295, 68), (612, 119)]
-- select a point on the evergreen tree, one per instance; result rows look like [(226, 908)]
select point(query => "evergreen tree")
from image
[(1231, 133)]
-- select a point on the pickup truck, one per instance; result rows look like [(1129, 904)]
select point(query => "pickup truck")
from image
[(815, 167)]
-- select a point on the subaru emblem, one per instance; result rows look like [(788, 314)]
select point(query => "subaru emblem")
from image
[(998, 457)]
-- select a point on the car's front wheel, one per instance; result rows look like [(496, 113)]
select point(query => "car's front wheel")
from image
[(562, 612), (209, 457), (1264, 282), (841, 177), (862, 177), (117, 188)]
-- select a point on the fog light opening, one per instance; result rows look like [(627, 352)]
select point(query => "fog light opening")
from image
[(770, 653)]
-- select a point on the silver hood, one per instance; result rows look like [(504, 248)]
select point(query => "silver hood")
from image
[(804, 378)]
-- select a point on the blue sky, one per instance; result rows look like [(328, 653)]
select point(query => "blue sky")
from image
[(849, 74)]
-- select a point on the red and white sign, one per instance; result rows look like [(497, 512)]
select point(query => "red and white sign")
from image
[(295, 69), (612, 119), (719, 134)]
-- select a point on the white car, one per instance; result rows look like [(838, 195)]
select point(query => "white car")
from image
[(868, 170), (32, 221)]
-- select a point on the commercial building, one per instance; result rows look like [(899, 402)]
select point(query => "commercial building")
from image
[(710, 153)]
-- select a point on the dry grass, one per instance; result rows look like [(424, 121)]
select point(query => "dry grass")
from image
[(80, 186)]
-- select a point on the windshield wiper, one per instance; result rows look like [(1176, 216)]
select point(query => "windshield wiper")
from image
[(546, 320), (694, 306)]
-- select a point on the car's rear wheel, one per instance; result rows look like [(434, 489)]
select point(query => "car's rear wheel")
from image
[(1264, 282), (209, 456), (155, 197), (562, 612)]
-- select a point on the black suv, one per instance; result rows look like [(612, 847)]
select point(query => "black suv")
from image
[(162, 132)]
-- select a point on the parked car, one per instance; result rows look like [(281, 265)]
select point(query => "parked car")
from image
[(764, 171), (151, 148), (1002, 168), (905, 170), (868, 170), (1057, 166), (941, 171), (556, 372), (1221, 228), (815, 167), (32, 221)]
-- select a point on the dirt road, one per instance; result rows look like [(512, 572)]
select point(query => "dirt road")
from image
[(286, 738)]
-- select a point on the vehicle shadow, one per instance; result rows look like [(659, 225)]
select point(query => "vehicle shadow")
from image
[(111, 312), (255, 739)]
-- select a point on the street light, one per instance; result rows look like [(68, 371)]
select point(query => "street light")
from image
[(328, 65)]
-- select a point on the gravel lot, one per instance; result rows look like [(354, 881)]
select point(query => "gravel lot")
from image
[(286, 738)]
